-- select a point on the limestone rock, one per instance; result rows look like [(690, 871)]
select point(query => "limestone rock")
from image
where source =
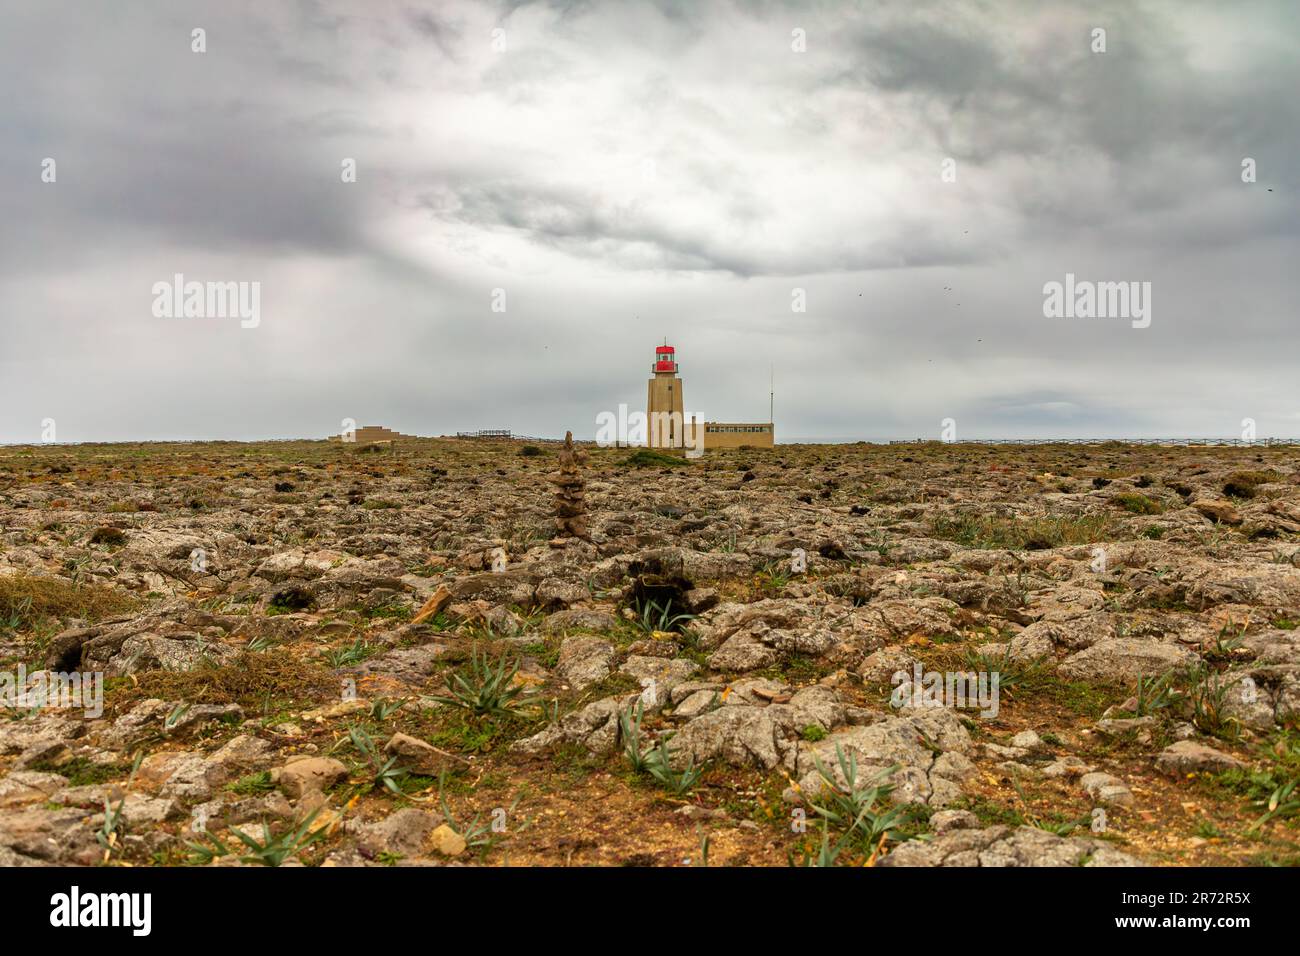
[(663, 674), (405, 832), (307, 774), (447, 841), (419, 756), (41, 835), (1124, 659), (440, 599), (579, 619), (24, 787), (584, 660), (945, 820), (595, 727), (1106, 788), (1003, 846), (1186, 756), (1218, 511), (879, 667), (929, 745)]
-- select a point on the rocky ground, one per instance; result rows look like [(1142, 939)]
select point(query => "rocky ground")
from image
[(326, 654)]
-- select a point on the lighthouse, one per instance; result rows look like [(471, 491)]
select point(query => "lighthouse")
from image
[(664, 403), (668, 427)]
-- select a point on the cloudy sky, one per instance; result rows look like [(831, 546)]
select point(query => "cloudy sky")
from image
[(628, 171)]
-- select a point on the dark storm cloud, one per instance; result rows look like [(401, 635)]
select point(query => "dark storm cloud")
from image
[(629, 170), (445, 35)]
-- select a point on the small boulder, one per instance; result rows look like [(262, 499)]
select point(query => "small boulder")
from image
[(1218, 511), (1124, 659), (418, 756), (310, 774), (585, 660), (1107, 788), (1188, 756), (447, 841)]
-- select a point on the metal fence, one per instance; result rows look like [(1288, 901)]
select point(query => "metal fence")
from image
[(506, 434)]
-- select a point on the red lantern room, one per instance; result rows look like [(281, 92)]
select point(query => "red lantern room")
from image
[(665, 359)]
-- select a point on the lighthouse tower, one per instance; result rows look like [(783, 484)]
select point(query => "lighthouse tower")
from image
[(665, 410)]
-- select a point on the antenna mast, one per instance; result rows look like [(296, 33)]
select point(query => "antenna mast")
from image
[(771, 395)]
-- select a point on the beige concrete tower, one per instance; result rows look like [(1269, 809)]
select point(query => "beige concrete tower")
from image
[(665, 411)]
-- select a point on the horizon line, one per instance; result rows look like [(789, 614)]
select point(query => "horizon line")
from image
[(799, 440)]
